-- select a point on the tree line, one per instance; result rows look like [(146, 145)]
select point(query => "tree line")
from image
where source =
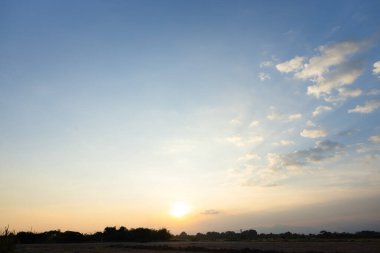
[(122, 234), (110, 234), (252, 234)]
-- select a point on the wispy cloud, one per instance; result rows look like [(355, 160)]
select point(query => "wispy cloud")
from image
[(266, 64), (295, 116), (284, 143), (310, 123), (329, 70), (344, 76), (321, 109), (236, 121), (275, 116), (210, 212), (254, 123), (373, 92), (344, 94), (376, 68), (292, 65), (236, 139), (374, 138), (249, 156), (279, 167), (368, 107), (321, 151), (264, 76), (239, 141), (313, 133)]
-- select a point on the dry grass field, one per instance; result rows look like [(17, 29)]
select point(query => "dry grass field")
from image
[(371, 246)]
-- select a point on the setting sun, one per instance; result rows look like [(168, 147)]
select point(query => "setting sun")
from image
[(179, 209)]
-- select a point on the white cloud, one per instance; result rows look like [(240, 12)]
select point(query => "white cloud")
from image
[(266, 64), (275, 116), (376, 68), (334, 80), (310, 123), (375, 138), (264, 76), (236, 139), (249, 156), (328, 57), (294, 117), (314, 133), (239, 141), (291, 66), (284, 143), (350, 92), (255, 140), (254, 123), (329, 70), (321, 109), (343, 95), (368, 107)]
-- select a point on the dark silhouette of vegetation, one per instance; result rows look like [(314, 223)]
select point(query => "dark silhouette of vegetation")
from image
[(110, 234), (122, 234), (7, 241), (249, 235)]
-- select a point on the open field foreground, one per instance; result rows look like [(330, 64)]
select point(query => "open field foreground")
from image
[(207, 247)]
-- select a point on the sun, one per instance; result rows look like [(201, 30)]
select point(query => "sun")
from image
[(179, 209)]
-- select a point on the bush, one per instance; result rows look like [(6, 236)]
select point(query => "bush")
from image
[(7, 241)]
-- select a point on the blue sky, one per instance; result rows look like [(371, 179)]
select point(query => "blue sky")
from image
[(248, 111)]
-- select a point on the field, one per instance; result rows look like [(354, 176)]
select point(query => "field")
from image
[(370, 246)]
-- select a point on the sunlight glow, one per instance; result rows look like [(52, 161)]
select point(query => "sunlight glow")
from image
[(179, 209)]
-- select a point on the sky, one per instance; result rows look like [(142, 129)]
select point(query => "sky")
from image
[(241, 114)]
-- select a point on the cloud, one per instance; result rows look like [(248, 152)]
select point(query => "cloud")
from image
[(239, 141), (368, 107), (236, 122), (321, 109), (275, 116), (375, 138), (310, 123), (329, 70), (210, 212), (264, 76), (279, 167), (291, 65), (376, 68), (321, 151), (348, 132), (236, 139), (266, 64), (328, 57), (284, 143), (249, 156), (294, 117), (350, 92), (314, 133), (335, 80), (254, 123), (255, 139), (373, 92)]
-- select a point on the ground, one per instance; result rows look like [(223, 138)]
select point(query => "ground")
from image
[(364, 246)]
